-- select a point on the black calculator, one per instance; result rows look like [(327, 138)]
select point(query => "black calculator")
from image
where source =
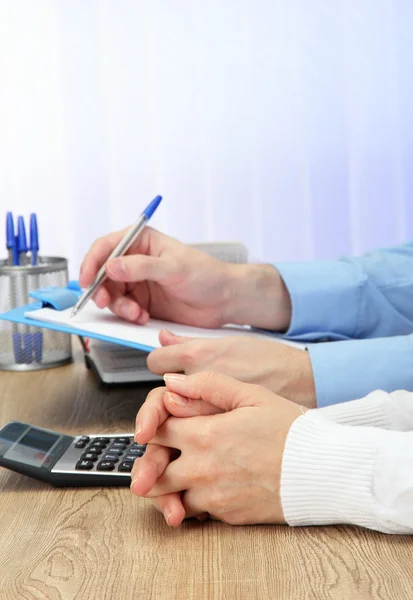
[(63, 460)]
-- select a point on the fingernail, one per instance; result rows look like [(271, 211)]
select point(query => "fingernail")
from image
[(138, 429), (124, 310), (173, 377), (177, 400), (142, 319), (116, 268), (99, 295), (133, 483), (167, 515)]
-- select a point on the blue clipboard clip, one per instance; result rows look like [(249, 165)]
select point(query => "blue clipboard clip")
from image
[(61, 299), (55, 297), (28, 345)]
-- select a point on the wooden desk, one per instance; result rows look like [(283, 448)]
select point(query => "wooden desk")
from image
[(105, 544)]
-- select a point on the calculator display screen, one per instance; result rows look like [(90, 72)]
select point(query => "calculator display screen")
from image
[(29, 445), (39, 440)]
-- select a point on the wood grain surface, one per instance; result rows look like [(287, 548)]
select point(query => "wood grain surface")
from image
[(105, 544)]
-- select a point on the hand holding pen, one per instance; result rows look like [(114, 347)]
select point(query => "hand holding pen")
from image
[(122, 247)]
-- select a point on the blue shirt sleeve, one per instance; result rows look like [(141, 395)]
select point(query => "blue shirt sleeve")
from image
[(351, 298), (352, 369), (355, 299)]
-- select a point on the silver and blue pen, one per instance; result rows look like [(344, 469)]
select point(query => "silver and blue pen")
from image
[(120, 249), (17, 247), (34, 238), (27, 342), (11, 245)]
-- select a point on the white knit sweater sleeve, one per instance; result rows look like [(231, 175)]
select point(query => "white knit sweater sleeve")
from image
[(335, 473), (389, 411)]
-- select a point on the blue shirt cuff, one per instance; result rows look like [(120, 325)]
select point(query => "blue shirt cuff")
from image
[(352, 369), (325, 299)]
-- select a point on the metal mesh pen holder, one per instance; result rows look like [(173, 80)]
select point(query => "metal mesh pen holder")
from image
[(22, 347)]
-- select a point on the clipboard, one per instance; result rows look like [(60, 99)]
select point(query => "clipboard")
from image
[(105, 326), (59, 299)]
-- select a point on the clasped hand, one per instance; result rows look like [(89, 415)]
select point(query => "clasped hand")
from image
[(215, 447)]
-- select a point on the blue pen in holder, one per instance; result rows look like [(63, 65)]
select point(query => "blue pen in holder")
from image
[(23, 347)]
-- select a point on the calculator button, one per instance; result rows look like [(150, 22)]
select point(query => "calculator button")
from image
[(131, 457), (136, 451), (89, 456), (118, 446), (135, 445), (95, 449), (84, 465), (84, 438), (112, 457), (123, 440), (114, 451), (126, 466), (105, 440), (106, 465), (100, 444), (80, 444)]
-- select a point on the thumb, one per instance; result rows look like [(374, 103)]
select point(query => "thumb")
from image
[(139, 267), (167, 338), (180, 406), (221, 391)]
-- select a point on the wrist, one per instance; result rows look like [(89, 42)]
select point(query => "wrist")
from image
[(277, 514), (287, 372), (297, 379), (258, 297)]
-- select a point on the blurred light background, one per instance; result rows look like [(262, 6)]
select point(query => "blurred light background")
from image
[(284, 124)]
